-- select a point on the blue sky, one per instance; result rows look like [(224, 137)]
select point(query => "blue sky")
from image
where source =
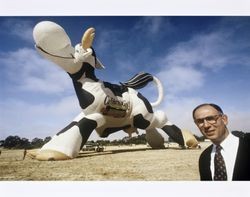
[(198, 59)]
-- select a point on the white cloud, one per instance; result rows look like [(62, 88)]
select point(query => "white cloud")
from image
[(30, 72), (19, 28), (108, 38), (36, 120), (187, 64), (25, 72), (178, 79), (179, 111), (206, 50), (238, 119), (183, 70), (153, 25)]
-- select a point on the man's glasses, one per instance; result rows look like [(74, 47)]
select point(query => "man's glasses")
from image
[(209, 119)]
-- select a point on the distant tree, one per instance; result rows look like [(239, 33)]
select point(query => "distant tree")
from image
[(24, 143), (200, 138), (115, 142), (126, 140), (37, 143), (91, 142), (12, 141), (47, 139), (140, 139), (103, 142), (1, 143)]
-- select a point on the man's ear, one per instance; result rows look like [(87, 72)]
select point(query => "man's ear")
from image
[(225, 119)]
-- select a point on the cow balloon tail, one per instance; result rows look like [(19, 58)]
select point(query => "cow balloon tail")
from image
[(140, 80)]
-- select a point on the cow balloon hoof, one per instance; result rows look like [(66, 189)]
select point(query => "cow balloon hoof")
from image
[(190, 140), (47, 155)]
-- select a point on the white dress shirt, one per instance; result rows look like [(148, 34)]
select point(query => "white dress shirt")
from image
[(229, 152)]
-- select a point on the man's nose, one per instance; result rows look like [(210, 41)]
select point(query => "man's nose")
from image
[(206, 124)]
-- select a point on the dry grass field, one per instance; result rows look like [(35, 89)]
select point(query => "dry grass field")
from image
[(116, 163)]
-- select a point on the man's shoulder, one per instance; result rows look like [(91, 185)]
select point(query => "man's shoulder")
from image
[(206, 152), (241, 135), (245, 140), (247, 136)]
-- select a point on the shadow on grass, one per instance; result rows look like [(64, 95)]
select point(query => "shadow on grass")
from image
[(107, 152)]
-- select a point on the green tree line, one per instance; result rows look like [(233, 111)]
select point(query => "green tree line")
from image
[(16, 142)]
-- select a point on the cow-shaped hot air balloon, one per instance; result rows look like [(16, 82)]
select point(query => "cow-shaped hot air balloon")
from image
[(106, 107)]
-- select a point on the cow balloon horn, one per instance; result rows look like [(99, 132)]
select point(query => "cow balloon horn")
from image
[(88, 38)]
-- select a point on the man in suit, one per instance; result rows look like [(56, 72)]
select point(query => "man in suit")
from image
[(232, 152)]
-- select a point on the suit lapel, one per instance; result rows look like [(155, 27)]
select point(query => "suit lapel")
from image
[(208, 163), (204, 164)]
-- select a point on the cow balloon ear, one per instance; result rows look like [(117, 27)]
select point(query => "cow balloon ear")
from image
[(99, 64)]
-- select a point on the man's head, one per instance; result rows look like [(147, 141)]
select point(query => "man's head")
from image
[(211, 121)]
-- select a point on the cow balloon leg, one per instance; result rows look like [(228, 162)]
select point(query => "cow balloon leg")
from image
[(154, 139), (160, 120), (175, 133), (67, 143)]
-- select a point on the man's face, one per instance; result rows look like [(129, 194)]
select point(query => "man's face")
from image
[(211, 123)]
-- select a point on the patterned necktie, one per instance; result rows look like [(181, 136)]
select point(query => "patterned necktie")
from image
[(220, 173)]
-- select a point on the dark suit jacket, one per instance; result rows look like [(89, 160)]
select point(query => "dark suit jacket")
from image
[(242, 163)]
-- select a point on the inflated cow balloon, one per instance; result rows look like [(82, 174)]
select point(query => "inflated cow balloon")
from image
[(106, 107)]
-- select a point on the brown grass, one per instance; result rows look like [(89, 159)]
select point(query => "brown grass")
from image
[(116, 163)]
